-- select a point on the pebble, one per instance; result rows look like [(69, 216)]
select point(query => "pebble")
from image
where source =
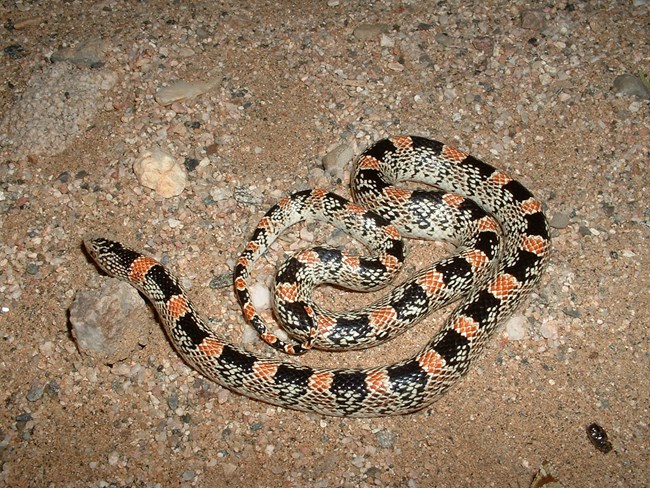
[(337, 158), (548, 330), (386, 439), (46, 349), (631, 85), (14, 51), (260, 296), (113, 458), (188, 475), (159, 171), (516, 328), (229, 469), (172, 401), (88, 53), (183, 90), (559, 220), (386, 41), (533, 20), (220, 281), (444, 39), (365, 32), (35, 393)]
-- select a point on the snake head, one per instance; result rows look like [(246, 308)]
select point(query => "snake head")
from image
[(111, 256)]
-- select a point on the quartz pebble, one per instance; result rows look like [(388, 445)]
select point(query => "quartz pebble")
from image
[(159, 171), (183, 90)]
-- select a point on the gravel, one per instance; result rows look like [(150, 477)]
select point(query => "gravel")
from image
[(529, 88)]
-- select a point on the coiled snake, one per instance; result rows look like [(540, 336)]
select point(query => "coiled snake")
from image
[(498, 261)]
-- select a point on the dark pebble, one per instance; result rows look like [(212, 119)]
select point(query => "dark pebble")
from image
[(584, 231), (35, 393), (52, 388), (571, 313), (172, 401), (221, 281), (191, 163), (14, 51), (24, 417)]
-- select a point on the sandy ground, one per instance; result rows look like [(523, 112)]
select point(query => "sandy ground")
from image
[(528, 88)]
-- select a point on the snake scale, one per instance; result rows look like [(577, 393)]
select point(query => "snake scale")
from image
[(496, 264)]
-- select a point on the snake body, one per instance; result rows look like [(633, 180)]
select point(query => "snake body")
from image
[(497, 263)]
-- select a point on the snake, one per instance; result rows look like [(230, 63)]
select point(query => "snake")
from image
[(495, 266)]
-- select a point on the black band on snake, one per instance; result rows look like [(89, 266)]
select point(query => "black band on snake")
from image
[(502, 243)]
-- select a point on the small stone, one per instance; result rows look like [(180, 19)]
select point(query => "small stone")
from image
[(183, 90), (559, 221), (260, 296), (444, 39), (386, 41), (52, 388), (229, 469), (336, 158), (632, 86), (516, 328), (35, 393), (585, 231), (14, 51), (88, 53), (386, 439), (571, 312), (249, 335), (28, 22), (191, 164), (160, 172), (188, 475), (484, 44), (365, 32), (113, 458), (223, 394), (223, 280), (46, 349), (533, 20), (172, 401), (212, 149), (549, 331), (220, 194)]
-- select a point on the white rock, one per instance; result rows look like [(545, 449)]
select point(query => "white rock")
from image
[(182, 90), (386, 41), (260, 296), (160, 172), (549, 330), (515, 328)]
